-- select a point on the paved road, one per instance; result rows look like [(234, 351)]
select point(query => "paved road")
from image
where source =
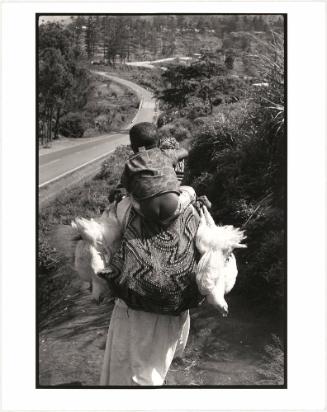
[(149, 64), (53, 166)]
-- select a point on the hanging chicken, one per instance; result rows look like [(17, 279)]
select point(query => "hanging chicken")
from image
[(90, 243), (99, 241), (217, 268)]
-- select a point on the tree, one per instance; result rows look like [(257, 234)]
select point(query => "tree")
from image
[(63, 80), (91, 35), (54, 82), (206, 79)]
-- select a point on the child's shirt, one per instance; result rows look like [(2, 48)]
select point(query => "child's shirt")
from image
[(151, 172)]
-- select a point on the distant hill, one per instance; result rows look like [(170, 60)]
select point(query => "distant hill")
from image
[(109, 39)]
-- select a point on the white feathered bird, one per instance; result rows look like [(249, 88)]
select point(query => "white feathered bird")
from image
[(100, 239), (90, 243), (217, 270), (90, 254)]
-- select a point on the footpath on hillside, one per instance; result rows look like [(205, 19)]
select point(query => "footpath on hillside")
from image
[(220, 351)]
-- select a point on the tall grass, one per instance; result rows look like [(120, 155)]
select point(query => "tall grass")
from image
[(55, 273)]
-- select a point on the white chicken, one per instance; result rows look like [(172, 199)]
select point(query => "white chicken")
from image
[(100, 239), (90, 243), (90, 254), (217, 270)]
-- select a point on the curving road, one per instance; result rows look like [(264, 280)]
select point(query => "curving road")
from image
[(56, 165)]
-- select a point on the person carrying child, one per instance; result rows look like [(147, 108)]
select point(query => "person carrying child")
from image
[(153, 273), (150, 239)]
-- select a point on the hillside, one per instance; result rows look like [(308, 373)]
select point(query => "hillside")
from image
[(125, 38)]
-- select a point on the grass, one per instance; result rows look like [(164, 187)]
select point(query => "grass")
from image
[(88, 200)]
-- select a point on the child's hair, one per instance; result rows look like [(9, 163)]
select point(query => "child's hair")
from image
[(143, 134)]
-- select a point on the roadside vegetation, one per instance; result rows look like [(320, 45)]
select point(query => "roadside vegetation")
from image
[(227, 106), (72, 102), (238, 157), (55, 273), (66, 52)]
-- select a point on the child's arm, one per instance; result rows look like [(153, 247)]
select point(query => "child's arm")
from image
[(176, 155)]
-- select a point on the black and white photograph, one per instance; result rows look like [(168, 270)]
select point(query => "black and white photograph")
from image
[(163, 205), (162, 200)]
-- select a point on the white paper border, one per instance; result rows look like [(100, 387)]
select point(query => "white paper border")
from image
[(306, 219)]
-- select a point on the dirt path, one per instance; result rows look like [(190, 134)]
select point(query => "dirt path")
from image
[(72, 342), (220, 351)]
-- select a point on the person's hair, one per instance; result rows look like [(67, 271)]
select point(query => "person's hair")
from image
[(143, 134)]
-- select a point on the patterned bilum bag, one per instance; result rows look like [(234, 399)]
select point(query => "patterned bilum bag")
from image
[(154, 269)]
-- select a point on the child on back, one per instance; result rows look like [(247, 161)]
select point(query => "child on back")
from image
[(150, 178)]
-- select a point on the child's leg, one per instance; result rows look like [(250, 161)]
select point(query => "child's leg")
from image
[(186, 197)]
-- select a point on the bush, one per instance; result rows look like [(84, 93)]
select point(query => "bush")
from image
[(197, 111), (112, 168), (163, 119), (90, 132), (186, 123), (273, 362), (176, 130), (238, 160), (181, 133), (72, 125), (99, 107), (102, 122)]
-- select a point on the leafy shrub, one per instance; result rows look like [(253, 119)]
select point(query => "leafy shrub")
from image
[(181, 133), (242, 178), (197, 111), (99, 107), (184, 122), (238, 160), (177, 130), (72, 125), (163, 119), (90, 132), (112, 168), (102, 122), (273, 362)]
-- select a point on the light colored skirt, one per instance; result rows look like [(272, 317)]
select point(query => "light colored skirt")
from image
[(141, 346)]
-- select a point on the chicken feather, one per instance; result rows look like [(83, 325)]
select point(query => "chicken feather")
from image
[(217, 270)]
